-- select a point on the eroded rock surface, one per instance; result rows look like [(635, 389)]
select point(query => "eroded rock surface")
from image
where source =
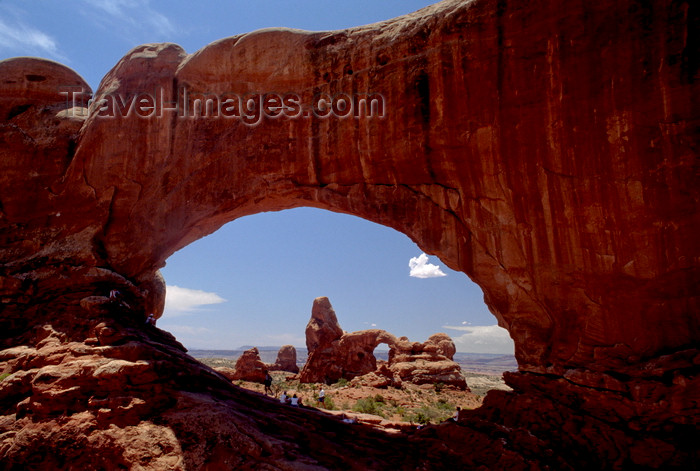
[(249, 367), (350, 355), (429, 362), (546, 149), (286, 360)]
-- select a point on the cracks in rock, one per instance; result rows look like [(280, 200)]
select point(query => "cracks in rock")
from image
[(558, 174), (24, 134), (137, 183), (110, 210), (87, 183)]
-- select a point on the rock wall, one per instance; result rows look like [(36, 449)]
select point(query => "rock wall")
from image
[(547, 149)]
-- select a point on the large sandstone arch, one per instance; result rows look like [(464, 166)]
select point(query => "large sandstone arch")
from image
[(549, 151)]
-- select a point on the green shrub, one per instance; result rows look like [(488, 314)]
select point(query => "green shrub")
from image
[(4, 375), (328, 403), (342, 382), (421, 418), (368, 405), (436, 412), (439, 387), (444, 405), (379, 398)]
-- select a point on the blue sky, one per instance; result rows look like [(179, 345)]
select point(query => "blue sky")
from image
[(253, 281)]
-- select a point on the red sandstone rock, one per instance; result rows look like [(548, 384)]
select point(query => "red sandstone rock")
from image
[(286, 360), (249, 367), (228, 373), (425, 363), (352, 354), (323, 327), (546, 149)]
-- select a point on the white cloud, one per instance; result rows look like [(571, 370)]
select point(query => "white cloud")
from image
[(180, 301), (420, 268), (21, 39), (483, 339), (132, 15)]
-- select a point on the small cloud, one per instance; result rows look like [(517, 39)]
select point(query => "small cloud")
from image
[(373, 325), (420, 268), (180, 301), (132, 15), (466, 322), (483, 339), (18, 38)]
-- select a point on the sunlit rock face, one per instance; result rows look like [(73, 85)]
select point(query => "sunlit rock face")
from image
[(249, 367), (286, 360), (546, 149), (334, 354)]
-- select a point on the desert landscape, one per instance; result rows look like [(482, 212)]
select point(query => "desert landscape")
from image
[(412, 405), (372, 390)]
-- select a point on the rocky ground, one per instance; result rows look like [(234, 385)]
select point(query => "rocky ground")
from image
[(390, 407)]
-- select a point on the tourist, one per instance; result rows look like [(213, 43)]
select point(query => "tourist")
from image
[(268, 383), (455, 417), (284, 398), (295, 401), (151, 320), (321, 396), (116, 299), (346, 419)]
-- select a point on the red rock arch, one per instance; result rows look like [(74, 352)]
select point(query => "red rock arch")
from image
[(560, 227), (547, 151)]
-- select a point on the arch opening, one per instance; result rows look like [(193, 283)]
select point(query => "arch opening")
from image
[(270, 266), (256, 277)]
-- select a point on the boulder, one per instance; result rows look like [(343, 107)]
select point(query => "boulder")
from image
[(249, 367), (286, 360)]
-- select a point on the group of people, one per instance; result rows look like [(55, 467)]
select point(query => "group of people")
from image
[(294, 401)]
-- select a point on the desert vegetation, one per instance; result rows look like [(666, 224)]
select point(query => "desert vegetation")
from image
[(411, 404)]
